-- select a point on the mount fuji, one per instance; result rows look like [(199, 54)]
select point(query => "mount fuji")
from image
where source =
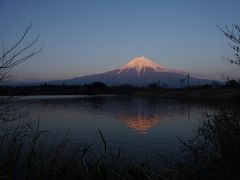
[(138, 71)]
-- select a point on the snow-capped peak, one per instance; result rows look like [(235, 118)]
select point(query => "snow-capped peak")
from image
[(140, 64)]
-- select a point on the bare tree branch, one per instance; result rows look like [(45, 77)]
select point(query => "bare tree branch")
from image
[(10, 57), (234, 36), (16, 54)]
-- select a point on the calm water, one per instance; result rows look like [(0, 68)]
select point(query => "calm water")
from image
[(141, 127)]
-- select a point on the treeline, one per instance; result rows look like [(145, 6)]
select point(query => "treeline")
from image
[(100, 88), (87, 89)]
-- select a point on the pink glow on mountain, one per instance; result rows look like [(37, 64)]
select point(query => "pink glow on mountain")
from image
[(140, 65)]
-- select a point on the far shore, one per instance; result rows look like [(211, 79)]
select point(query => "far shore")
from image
[(232, 94), (194, 93)]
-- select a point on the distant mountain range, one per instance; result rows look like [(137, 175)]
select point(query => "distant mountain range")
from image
[(139, 71)]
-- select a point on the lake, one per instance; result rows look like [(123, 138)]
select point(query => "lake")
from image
[(141, 127)]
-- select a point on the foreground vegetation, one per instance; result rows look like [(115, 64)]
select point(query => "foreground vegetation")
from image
[(26, 152)]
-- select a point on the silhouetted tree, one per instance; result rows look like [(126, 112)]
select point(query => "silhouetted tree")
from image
[(233, 33), (16, 53), (153, 86), (10, 57), (232, 84), (98, 85)]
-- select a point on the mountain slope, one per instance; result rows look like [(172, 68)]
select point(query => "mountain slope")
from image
[(139, 71)]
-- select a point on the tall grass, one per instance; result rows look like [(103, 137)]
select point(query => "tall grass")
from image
[(214, 152), (24, 155)]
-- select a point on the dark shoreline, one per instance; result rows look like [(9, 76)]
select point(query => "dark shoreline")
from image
[(209, 94), (194, 94)]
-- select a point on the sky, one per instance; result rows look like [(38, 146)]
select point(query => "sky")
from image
[(82, 37)]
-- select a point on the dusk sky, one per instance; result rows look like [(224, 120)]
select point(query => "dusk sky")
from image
[(93, 36)]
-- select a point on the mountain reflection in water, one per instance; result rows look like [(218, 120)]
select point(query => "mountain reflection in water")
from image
[(140, 123), (130, 123)]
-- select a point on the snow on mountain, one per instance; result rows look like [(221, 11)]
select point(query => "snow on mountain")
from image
[(138, 71), (140, 65)]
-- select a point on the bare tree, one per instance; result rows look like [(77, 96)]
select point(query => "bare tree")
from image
[(233, 33), (17, 53), (10, 57)]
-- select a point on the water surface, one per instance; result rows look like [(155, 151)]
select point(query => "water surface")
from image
[(141, 127)]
